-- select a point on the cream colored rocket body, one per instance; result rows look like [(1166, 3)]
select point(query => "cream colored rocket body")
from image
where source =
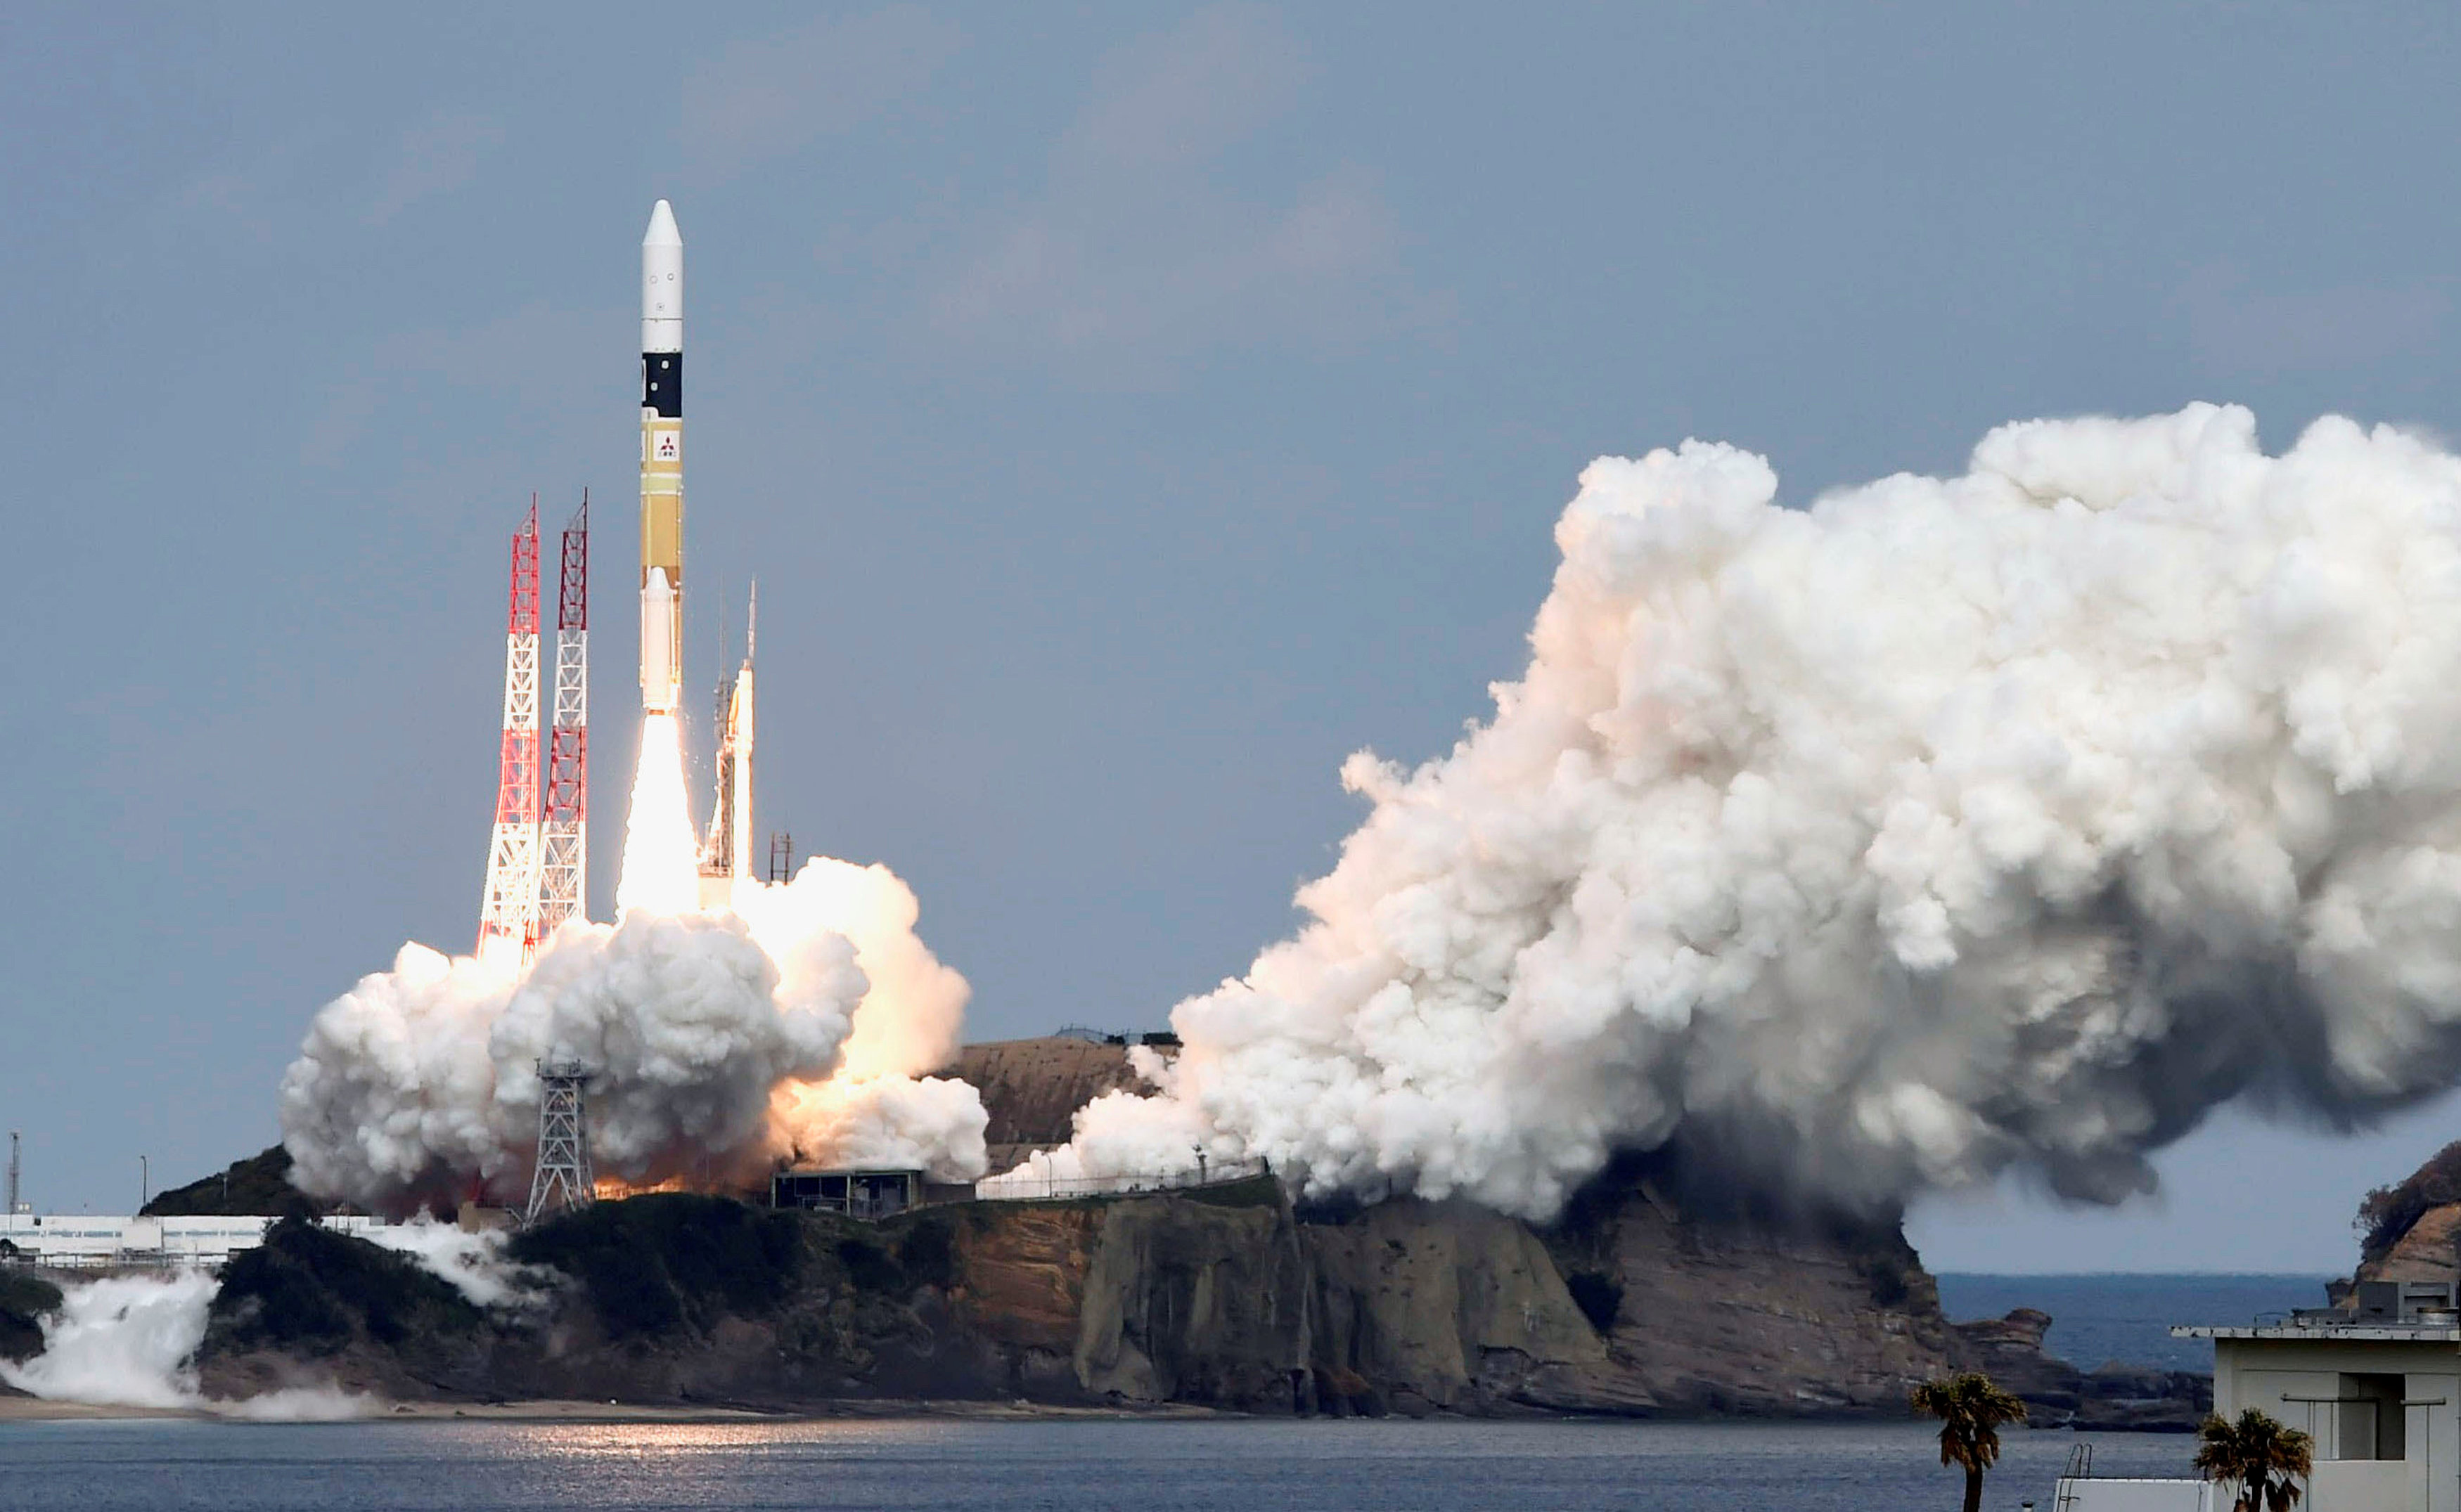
[(662, 463)]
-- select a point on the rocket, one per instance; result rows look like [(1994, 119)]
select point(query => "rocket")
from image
[(662, 462)]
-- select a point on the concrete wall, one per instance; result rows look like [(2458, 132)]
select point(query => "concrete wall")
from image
[(2139, 1496), (2274, 1375), (2365, 1485)]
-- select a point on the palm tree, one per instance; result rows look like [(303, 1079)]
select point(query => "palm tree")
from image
[(2266, 1459), (1970, 1408)]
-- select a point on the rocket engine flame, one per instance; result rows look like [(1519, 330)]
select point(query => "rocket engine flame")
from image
[(661, 861), (2017, 818)]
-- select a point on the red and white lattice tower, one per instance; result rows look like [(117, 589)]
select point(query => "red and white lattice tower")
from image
[(563, 858), (508, 911)]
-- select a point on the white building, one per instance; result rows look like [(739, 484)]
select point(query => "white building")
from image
[(2376, 1384), (79, 1240)]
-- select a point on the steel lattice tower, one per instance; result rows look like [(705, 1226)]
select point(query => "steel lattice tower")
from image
[(564, 1141), (564, 858), (508, 911)]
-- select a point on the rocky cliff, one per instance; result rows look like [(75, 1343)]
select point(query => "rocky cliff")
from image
[(2411, 1230), (1227, 1297), (24, 1299), (2057, 1395), (1031, 1088), (1649, 1296)]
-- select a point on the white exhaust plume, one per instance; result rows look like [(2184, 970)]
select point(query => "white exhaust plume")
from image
[(1948, 825), (473, 1264), (131, 1341), (793, 1024)]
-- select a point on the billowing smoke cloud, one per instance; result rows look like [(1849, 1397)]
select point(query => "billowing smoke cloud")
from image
[(473, 1264), (1946, 825), (793, 1025), (131, 1341)]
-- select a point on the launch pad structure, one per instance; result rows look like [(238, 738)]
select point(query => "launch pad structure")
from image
[(564, 849), (508, 908), (562, 1178), (538, 856)]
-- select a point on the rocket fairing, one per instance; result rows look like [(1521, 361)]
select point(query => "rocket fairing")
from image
[(662, 462)]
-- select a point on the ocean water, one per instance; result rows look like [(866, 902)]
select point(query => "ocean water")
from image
[(2097, 1319), (1203, 1465)]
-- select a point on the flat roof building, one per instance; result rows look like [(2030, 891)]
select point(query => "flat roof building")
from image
[(2374, 1381), (857, 1193)]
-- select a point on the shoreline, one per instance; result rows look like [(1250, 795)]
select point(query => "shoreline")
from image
[(17, 1409)]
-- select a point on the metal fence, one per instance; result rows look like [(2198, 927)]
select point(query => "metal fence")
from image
[(1028, 1187)]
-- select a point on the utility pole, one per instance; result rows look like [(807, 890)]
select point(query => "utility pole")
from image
[(13, 1170), (144, 1184)]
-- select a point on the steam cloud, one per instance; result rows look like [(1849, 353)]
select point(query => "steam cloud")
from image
[(796, 1024), (131, 1341), (1949, 824)]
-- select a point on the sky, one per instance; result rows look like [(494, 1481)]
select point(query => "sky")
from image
[(1127, 411)]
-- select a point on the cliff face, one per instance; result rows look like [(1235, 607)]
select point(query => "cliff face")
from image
[(2411, 1230), (1032, 1088), (1226, 1297)]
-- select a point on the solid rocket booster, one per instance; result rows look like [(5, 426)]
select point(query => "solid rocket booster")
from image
[(662, 462)]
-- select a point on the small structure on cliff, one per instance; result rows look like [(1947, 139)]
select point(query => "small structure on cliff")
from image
[(862, 1192)]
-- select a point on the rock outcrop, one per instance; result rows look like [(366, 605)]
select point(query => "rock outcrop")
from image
[(2411, 1230), (2057, 1395), (1650, 1296), (1224, 1297), (24, 1299), (1031, 1088), (1710, 1307)]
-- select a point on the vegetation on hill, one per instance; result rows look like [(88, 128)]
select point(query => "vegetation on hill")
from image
[(259, 1186), (2388, 1213), (669, 1260), (308, 1289)]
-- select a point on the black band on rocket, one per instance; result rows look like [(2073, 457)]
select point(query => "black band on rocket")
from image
[(662, 383)]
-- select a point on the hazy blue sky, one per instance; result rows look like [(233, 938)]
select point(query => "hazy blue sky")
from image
[(1129, 411)]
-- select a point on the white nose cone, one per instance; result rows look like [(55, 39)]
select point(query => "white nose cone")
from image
[(662, 282)]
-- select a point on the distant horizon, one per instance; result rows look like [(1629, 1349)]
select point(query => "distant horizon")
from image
[(2165, 1275)]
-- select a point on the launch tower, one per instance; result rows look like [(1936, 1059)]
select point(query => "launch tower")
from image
[(509, 910), (564, 858), (563, 1177)]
